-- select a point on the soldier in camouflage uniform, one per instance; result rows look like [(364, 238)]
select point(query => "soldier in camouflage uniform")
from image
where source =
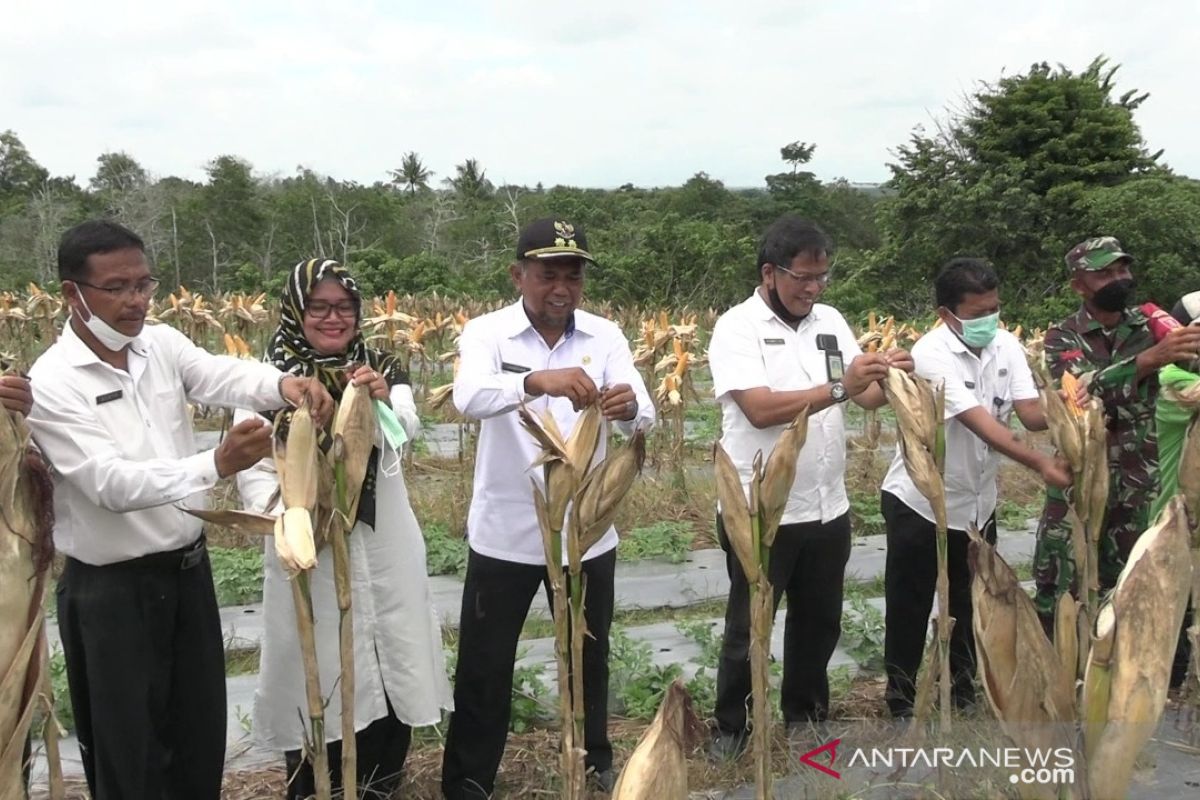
[(1111, 339)]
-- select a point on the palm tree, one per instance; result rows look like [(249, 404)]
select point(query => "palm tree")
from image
[(470, 181), (412, 173)]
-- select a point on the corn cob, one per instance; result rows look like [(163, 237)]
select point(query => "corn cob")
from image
[(1141, 617), (1022, 674), (735, 513), (1070, 385), (1066, 639), (916, 407), (354, 426), (780, 474), (600, 495), (299, 476)]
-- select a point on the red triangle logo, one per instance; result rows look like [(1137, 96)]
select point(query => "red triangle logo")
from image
[(831, 747)]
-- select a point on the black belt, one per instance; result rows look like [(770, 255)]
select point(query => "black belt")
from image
[(181, 559)]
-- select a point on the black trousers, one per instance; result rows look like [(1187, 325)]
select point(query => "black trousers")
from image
[(808, 562), (381, 748), (496, 598), (910, 583), (146, 670)]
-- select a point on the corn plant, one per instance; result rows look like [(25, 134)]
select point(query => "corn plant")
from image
[(751, 527), (919, 410), (25, 550), (594, 495)]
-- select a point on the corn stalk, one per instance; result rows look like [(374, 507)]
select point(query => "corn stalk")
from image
[(353, 437), (594, 495), (25, 548), (919, 410), (295, 545), (1079, 433), (751, 527)]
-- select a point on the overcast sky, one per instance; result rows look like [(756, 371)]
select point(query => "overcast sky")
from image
[(595, 93)]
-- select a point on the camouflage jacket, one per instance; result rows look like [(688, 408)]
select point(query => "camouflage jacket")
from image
[(1081, 344)]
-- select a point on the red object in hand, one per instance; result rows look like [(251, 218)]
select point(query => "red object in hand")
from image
[(1161, 322)]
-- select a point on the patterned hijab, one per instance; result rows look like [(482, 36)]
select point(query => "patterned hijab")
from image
[(291, 352)]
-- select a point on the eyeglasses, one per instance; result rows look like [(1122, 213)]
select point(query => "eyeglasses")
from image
[(126, 291), (321, 310), (821, 280)]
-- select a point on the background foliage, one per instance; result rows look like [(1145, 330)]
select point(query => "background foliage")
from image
[(1016, 171)]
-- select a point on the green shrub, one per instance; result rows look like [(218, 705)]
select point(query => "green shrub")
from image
[(237, 574), (444, 554), (669, 540)]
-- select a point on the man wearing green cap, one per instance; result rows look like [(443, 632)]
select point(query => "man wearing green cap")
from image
[(1109, 345)]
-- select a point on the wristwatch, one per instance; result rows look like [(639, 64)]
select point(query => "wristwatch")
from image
[(837, 390)]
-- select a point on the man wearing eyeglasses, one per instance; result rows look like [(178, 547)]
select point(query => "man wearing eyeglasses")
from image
[(771, 356), (136, 605)]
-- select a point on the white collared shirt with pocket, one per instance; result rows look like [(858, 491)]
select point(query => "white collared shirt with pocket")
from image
[(752, 347), (120, 444), (497, 351), (993, 380)]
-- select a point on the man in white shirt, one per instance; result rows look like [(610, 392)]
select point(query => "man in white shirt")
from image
[(545, 352), (986, 378), (136, 605), (771, 356)]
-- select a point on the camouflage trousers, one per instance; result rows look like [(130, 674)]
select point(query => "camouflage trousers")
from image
[(1127, 517)]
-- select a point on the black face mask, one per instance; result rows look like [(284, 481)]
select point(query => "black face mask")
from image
[(781, 310), (1114, 296)]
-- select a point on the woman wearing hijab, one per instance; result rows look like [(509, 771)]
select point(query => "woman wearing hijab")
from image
[(400, 675)]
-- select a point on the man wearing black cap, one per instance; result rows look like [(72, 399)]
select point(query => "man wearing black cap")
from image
[(544, 352), (1109, 344)]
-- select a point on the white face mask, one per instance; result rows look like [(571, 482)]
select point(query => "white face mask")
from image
[(109, 336)]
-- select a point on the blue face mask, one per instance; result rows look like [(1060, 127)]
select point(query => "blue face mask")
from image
[(979, 332)]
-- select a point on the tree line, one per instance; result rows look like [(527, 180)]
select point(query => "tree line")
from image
[(1017, 171)]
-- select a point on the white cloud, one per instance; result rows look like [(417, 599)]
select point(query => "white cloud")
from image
[(591, 94)]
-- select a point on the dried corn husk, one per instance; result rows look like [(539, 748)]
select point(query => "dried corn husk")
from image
[(244, 522), (780, 474), (1094, 476), (735, 512), (299, 480), (24, 526), (916, 406), (566, 459), (600, 495), (657, 768), (1023, 678), (1141, 618), (1065, 433), (354, 427), (1189, 470), (1066, 638)]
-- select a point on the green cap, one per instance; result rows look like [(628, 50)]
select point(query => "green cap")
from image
[(1095, 254)]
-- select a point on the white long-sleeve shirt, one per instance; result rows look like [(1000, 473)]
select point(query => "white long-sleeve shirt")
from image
[(398, 655), (496, 353), (120, 444)]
